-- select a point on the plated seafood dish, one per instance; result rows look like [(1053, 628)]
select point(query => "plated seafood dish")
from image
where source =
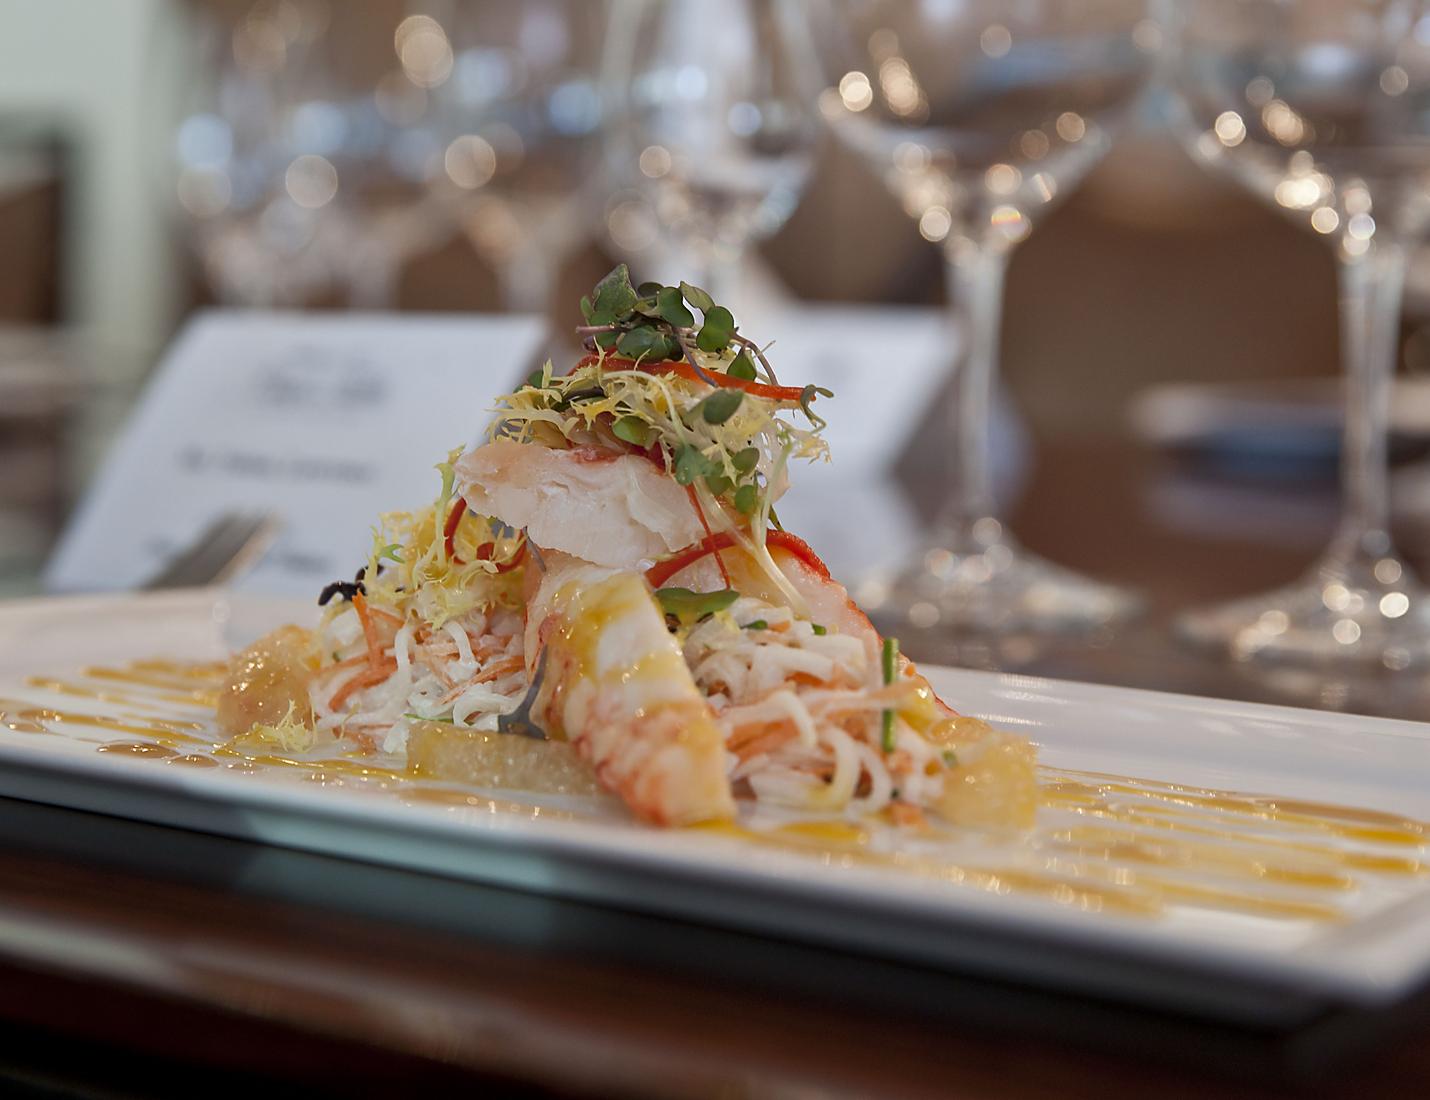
[(597, 664), (602, 587)]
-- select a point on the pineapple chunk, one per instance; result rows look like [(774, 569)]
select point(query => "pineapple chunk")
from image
[(268, 682), (436, 750), (994, 783)]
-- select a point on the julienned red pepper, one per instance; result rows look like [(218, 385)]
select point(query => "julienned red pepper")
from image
[(485, 554), (485, 551), (449, 533), (709, 534), (662, 571), (690, 374)]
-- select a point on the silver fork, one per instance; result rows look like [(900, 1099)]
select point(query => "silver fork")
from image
[(227, 548), (519, 720)]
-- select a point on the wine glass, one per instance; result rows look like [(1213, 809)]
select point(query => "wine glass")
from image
[(512, 97), (713, 124), (1322, 108), (980, 115), (292, 176)]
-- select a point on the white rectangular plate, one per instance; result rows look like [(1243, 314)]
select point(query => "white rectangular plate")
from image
[(1154, 889)]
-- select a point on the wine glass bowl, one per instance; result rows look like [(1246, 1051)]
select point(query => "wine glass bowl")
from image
[(517, 121), (1328, 123), (984, 114), (981, 116), (291, 178), (1322, 109), (714, 124)]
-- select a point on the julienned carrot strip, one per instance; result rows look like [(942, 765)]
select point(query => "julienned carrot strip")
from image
[(690, 374), (369, 631), (766, 742), (761, 737), (375, 675)]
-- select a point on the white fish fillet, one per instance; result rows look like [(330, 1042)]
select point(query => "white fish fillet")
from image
[(612, 510)]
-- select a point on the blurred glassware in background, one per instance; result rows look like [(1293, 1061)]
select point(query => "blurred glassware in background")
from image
[(295, 177), (713, 129), (980, 115), (1322, 108), (510, 93)]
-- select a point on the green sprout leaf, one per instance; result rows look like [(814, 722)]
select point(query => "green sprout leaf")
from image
[(721, 405), (690, 464), (606, 340), (820, 630), (688, 606), (743, 367), (633, 430), (718, 484), (643, 343), (806, 399), (747, 499), (587, 309), (697, 297), (716, 332), (746, 460), (758, 624), (672, 309), (536, 379), (614, 294), (649, 290)]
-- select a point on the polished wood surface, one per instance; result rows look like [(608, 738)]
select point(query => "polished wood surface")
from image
[(140, 961), (1181, 538)]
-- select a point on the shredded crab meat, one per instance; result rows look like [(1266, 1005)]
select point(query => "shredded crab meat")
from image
[(801, 710), (467, 672)]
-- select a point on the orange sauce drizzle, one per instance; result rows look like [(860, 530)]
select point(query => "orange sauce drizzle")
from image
[(1120, 844)]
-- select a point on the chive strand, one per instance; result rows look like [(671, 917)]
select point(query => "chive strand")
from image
[(886, 717)]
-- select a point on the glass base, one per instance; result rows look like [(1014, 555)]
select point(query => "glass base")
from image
[(978, 580), (1352, 609)]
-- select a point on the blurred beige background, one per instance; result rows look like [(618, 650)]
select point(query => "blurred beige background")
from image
[(1151, 272)]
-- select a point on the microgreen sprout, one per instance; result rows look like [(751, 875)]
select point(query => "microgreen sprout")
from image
[(671, 379), (655, 323)]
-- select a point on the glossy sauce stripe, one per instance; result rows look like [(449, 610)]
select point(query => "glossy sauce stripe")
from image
[(1104, 843)]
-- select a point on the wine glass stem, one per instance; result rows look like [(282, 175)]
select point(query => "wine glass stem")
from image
[(975, 285), (1370, 297)]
